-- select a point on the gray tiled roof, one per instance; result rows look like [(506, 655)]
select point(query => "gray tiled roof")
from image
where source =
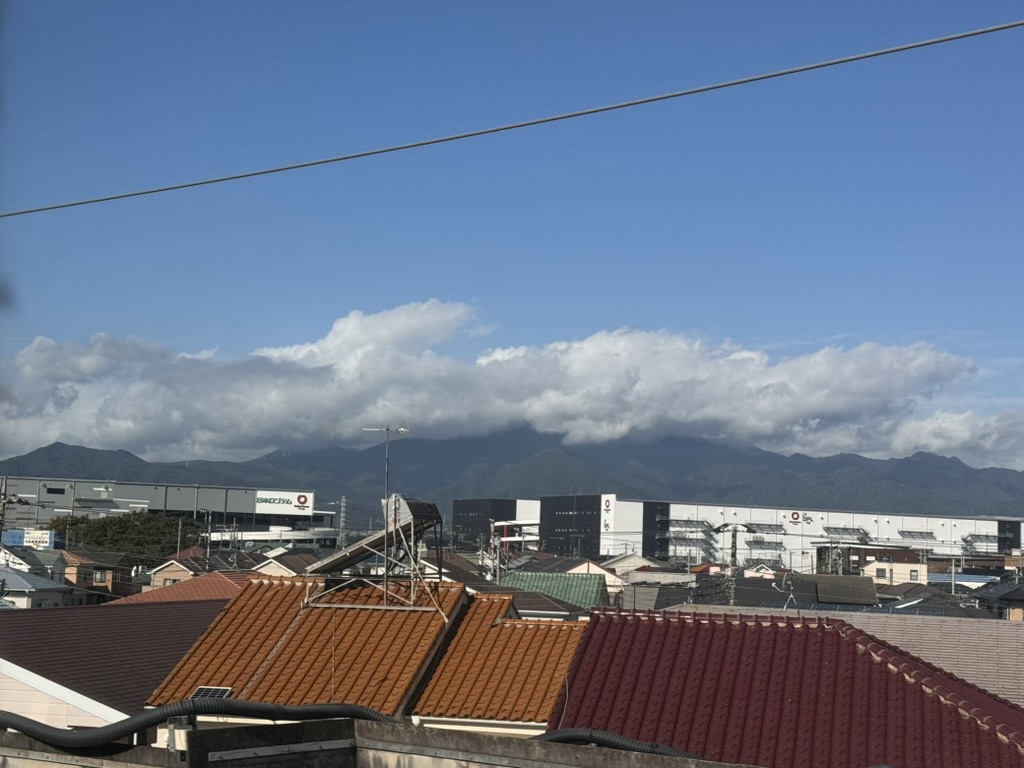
[(986, 652), (20, 581), (117, 657)]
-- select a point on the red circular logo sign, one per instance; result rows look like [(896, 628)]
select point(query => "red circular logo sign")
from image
[(302, 498)]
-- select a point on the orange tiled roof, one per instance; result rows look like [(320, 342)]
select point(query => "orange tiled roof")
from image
[(266, 645), (216, 585), (501, 669), (91, 557)]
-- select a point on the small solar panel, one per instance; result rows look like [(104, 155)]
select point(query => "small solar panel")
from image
[(211, 692)]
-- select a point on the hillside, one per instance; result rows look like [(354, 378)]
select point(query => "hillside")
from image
[(526, 464)]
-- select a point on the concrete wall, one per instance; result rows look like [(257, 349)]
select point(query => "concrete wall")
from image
[(344, 744)]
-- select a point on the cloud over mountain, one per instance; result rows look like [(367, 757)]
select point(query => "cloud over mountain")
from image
[(391, 368)]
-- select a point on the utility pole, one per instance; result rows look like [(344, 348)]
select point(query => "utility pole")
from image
[(734, 565), (3, 506)]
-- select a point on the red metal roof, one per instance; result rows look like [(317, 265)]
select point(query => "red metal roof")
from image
[(781, 692)]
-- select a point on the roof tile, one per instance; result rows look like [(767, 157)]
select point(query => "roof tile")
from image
[(780, 692), (114, 657), (585, 590), (273, 644), (216, 585), (498, 668)]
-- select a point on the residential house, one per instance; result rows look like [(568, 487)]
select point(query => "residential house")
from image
[(96, 575), (26, 590), (925, 600), (543, 562), (184, 568), (287, 563), (1006, 597), (654, 597), (307, 644), (623, 564), (585, 590), (450, 660), (93, 665), (528, 604), (782, 692), (787, 590), (46, 563), (215, 585)]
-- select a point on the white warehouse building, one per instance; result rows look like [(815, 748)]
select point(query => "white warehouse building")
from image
[(601, 525)]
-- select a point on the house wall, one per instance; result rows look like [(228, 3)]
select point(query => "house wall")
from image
[(896, 573), (116, 582), (624, 564), (168, 574), (611, 581), (40, 599), (271, 568), (29, 695)]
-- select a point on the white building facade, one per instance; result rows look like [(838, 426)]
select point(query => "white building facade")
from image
[(690, 533)]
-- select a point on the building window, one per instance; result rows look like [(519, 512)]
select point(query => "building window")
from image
[(168, 582), (881, 573), (99, 576), (913, 575)]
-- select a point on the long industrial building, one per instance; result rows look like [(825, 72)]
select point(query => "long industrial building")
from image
[(602, 525), (251, 513)]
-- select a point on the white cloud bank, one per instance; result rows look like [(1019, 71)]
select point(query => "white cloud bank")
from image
[(373, 370)]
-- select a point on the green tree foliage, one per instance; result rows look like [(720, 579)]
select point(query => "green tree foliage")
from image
[(146, 538)]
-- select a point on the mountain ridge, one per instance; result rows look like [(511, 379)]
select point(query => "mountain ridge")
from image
[(523, 463)]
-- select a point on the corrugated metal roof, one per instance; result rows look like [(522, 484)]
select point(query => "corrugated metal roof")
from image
[(270, 645), (587, 590), (499, 668), (781, 692)]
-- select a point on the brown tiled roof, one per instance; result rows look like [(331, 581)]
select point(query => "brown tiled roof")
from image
[(190, 553), (85, 556), (499, 668), (113, 657), (270, 644), (216, 585), (781, 692)]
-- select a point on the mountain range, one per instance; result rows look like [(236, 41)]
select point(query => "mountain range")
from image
[(522, 463)]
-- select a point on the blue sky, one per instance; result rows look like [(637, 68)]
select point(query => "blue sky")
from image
[(828, 262)]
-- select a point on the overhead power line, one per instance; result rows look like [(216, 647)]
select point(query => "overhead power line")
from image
[(524, 123)]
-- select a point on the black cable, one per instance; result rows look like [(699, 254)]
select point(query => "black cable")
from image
[(612, 740), (98, 737), (523, 124)]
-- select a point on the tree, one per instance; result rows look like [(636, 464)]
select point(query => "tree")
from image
[(144, 537)]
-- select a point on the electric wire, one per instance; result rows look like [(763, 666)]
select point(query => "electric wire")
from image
[(522, 124)]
